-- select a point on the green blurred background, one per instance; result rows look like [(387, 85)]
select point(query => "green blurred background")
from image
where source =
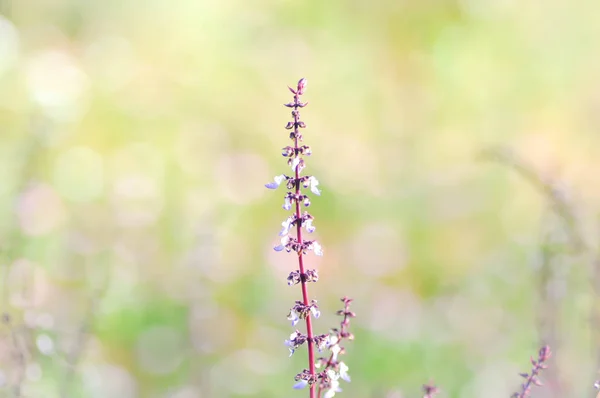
[(136, 234)]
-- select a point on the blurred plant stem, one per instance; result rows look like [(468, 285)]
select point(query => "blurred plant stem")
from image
[(561, 240)]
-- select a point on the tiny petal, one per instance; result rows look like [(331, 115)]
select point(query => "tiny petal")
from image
[(287, 204), (309, 227), (287, 226), (300, 385), (293, 317), (287, 151), (284, 241), (276, 181), (344, 372), (332, 340), (335, 350), (314, 183), (329, 394), (316, 313), (317, 249), (294, 163), (332, 375)]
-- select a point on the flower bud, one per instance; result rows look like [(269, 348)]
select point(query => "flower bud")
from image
[(301, 86)]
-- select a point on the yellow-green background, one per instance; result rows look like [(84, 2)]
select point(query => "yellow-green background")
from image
[(137, 235)]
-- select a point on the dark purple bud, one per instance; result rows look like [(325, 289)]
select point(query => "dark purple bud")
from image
[(289, 125), (301, 86)]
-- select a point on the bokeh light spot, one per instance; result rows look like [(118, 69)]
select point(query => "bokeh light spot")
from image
[(79, 174)]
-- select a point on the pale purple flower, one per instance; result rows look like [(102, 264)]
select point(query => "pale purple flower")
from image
[(287, 225), (293, 316), (300, 385), (315, 311), (309, 227), (291, 343), (284, 241), (287, 203), (276, 181)]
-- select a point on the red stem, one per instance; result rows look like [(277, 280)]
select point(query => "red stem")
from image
[(309, 331)]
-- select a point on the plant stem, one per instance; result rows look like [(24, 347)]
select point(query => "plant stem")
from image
[(309, 331)]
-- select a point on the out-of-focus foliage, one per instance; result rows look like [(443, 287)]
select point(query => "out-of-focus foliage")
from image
[(137, 235)]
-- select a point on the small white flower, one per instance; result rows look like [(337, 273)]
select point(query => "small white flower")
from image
[(314, 183), (291, 343), (335, 350), (332, 375), (287, 203), (335, 384), (344, 372), (287, 226), (300, 385), (291, 340), (293, 316), (332, 340), (330, 393), (317, 248), (294, 163), (276, 181), (284, 241), (316, 313), (309, 227)]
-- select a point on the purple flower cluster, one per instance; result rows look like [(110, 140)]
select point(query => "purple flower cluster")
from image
[(291, 240)]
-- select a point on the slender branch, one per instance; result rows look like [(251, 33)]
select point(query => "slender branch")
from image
[(532, 378)]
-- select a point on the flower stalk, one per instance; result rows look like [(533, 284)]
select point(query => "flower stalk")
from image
[(292, 240), (532, 378)]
